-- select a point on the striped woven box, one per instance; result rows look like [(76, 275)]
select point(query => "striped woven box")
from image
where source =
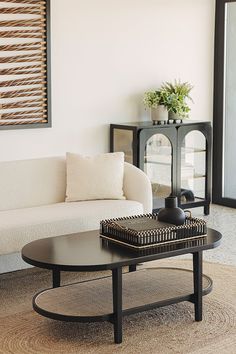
[(145, 231)]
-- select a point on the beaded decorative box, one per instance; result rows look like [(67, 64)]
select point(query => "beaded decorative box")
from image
[(145, 231)]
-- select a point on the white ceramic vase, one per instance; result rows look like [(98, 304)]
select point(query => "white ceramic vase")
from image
[(159, 115)]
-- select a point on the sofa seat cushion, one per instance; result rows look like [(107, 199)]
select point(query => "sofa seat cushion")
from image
[(20, 226)]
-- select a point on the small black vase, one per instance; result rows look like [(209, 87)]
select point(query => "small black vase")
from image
[(171, 213)]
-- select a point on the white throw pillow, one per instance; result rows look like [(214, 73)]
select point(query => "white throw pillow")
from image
[(98, 177)]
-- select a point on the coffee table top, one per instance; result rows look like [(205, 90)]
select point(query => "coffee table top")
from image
[(86, 251)]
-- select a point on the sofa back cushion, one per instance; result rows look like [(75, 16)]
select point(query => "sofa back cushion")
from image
[(29, 183)]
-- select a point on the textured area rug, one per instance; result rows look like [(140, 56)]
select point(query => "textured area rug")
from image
[(167, 330)]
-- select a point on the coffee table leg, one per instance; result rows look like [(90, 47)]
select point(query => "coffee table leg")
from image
[(56, 278), (117, 303), (197, 274)]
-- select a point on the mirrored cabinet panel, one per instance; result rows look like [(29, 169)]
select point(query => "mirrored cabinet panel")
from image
[(123, 141), (175, 157)]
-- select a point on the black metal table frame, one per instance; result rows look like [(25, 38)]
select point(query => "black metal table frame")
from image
[(34, 254), (118, 313)]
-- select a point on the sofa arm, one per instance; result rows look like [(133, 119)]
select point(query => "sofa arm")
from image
[(137, 186)]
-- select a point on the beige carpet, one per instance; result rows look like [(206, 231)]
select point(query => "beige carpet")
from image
[(166, 330)]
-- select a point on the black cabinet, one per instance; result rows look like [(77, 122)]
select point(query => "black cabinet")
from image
[(176, 157)]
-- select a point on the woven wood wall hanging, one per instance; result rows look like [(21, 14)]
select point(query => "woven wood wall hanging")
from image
[(24, 64)]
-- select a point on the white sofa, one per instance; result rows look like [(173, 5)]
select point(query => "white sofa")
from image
[(32, 205)]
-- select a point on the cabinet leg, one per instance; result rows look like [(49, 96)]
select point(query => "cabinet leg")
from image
[(132, 268), (207, 209), (117, 304), (197, 277), (56, 278)]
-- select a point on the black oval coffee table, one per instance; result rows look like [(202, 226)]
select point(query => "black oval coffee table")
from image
[(109, 298)]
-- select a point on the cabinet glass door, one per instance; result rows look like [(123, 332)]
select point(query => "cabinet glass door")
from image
[(193, 167), (158, 167)]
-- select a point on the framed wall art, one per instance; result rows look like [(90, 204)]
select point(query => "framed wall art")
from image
[(24, 64)]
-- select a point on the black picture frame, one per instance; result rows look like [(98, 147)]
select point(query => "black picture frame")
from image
[(218, 107)]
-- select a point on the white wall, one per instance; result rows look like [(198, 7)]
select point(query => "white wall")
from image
[(105, 54)]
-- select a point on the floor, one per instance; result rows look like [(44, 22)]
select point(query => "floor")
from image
[(169, 330), (222, 219)]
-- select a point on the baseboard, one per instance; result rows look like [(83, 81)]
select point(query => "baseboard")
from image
[(12, 262)]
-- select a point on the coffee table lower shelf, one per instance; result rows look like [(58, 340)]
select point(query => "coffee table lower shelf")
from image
[(142, 290)]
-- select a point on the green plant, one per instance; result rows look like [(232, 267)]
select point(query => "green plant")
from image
[(152, 99), (178, 94)]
